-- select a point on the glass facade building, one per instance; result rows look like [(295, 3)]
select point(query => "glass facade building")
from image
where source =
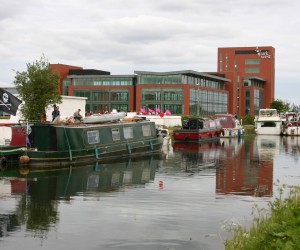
[(104, 93), (182, 92)]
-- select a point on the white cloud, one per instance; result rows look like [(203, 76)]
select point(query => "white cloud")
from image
[(122, 36)]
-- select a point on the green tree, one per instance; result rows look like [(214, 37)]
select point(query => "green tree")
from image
[(38, 88), (280, 105)]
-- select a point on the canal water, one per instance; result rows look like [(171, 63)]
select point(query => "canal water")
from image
[(186, 198)]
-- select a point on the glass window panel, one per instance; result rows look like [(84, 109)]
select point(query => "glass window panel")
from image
[(115, 134), (252, 61), (252, 70), (146, 130), (93, 137), (128, 132)]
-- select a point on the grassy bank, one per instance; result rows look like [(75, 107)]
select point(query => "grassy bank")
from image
[(276, 228)]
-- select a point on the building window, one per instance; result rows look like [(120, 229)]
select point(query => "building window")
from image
[(82, 93), (157, 79), (247, 101), (252, 61), (252, 70), (151, 95)]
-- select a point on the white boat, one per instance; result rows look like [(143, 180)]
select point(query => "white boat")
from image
[(268, 122), (231, 125), (98, 118), (291, 124)]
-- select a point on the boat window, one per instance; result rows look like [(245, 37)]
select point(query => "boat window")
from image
[(115, 134), (128, 132), (93, 137), (146, 130), (269, 124)]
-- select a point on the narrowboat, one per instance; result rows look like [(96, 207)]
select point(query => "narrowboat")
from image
[(231, 125), (198, 129), (50, 143), (268, 122)]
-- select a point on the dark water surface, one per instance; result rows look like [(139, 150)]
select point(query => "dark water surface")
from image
[(185, 199)]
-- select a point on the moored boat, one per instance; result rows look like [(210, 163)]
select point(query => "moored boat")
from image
[(198, 129), (81, 142), (231, 125), (291, 124), (268, 122), (13, 134)]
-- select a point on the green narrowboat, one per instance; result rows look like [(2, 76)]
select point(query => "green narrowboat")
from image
[(79, 142)]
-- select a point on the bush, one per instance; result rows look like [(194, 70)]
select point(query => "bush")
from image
[(248, 120)]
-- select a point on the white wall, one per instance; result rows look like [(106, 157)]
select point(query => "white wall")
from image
[(67, 108)]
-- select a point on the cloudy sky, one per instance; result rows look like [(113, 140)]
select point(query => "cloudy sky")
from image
[(122, 36)]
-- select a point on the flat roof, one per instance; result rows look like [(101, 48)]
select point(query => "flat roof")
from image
[(99, 76), (255, 78), (183, 72)]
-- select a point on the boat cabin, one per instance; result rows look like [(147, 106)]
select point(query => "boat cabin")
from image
[(268, 113), (226, 120), (291, 119)]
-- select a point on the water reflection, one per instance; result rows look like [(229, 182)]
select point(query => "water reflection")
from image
[(38, 192), (240, 168), (180, 199), (291, 146)]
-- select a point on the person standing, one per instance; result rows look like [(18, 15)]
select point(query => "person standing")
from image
[(56, 114)]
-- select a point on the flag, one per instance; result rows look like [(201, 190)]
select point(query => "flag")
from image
[(8, 102), (168, 112)]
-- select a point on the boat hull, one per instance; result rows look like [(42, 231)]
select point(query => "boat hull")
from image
[(104, 152), (196, 136), (291, 131), (268, 130), (232, 132)]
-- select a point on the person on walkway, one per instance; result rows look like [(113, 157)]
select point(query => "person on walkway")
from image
[(56, 115), (77, 116), (54, 112)]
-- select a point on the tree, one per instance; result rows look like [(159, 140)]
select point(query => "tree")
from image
[(280, 105), (38, 88)]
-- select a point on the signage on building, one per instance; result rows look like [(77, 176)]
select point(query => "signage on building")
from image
[(264, 54)]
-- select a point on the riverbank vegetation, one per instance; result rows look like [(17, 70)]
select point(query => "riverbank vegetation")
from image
[(275, 228)]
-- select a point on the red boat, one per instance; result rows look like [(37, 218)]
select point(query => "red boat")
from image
[(12, 134), (198, 129)]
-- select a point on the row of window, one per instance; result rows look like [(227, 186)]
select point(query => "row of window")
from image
[(94, 135), (162, 94), (105, 81)]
